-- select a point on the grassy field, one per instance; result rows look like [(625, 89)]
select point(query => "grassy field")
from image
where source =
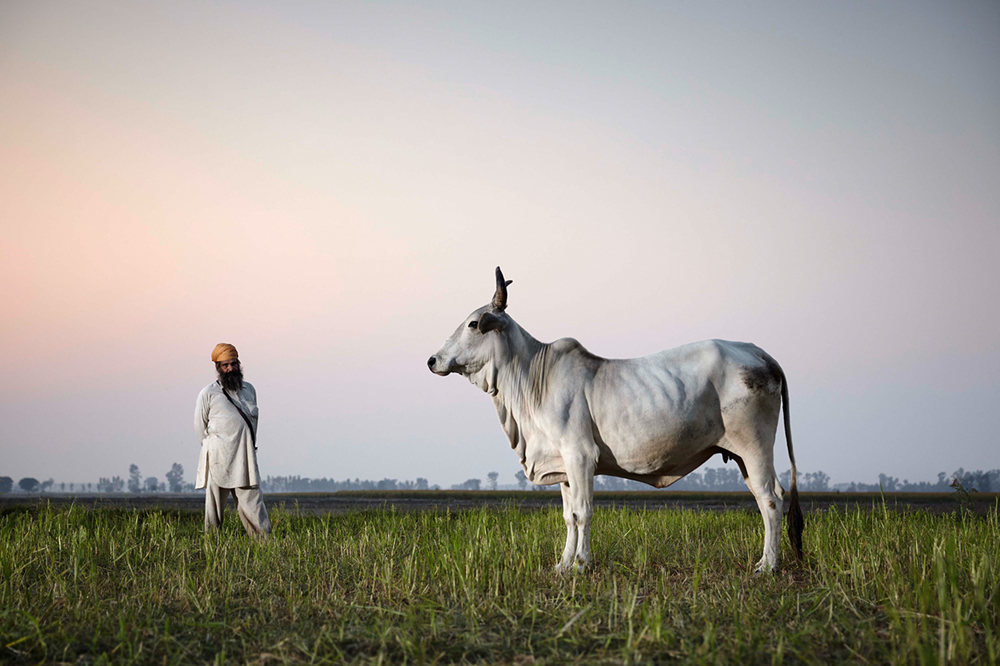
[(477, 586)]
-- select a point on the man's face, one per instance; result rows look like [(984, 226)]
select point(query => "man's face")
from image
[(229, 366), (230, 374)]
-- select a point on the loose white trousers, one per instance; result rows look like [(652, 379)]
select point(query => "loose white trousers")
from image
[(249, 506)]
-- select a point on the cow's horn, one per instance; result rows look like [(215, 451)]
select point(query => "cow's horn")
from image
[(500, 297)]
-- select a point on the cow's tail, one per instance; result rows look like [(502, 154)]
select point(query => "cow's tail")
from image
[(796, 522)]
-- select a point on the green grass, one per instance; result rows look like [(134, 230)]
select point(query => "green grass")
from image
[(477, 586)]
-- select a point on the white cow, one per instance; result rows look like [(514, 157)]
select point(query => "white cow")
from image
[(570, 415)]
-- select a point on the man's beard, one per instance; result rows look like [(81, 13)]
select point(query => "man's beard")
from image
[(232, 380)]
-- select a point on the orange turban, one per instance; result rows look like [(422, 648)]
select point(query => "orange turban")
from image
[(224, 352)]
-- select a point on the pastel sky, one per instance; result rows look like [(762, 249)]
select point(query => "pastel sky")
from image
[(329, 187)]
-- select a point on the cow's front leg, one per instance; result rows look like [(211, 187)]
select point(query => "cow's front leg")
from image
[(578, 509), (569, 550)]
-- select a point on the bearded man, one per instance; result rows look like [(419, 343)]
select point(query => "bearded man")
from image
[(225, 420)]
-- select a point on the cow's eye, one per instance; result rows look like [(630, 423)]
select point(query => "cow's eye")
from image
[(473, 324)]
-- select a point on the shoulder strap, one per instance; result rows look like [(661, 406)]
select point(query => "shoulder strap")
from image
[(253, 434)]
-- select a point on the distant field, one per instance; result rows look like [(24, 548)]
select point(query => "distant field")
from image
[(476, 585), (339, 502)]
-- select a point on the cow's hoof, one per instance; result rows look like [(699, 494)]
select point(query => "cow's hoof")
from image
[(572, 567), (763, 567)]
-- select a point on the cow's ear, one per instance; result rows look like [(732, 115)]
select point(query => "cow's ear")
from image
[(490, 322)]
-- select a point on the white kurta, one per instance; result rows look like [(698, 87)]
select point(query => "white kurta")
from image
[(227, 449)]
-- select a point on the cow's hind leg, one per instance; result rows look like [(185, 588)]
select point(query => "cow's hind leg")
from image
[(762, 481)]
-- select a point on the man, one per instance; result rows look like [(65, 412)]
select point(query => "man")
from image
[(225, 420)]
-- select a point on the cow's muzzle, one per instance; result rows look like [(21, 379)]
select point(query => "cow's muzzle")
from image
[(435, 367)]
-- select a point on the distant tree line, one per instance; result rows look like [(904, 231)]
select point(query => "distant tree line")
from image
[(972, 481), (291, 484), (723, 479), (709, 479), (114, 484)]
